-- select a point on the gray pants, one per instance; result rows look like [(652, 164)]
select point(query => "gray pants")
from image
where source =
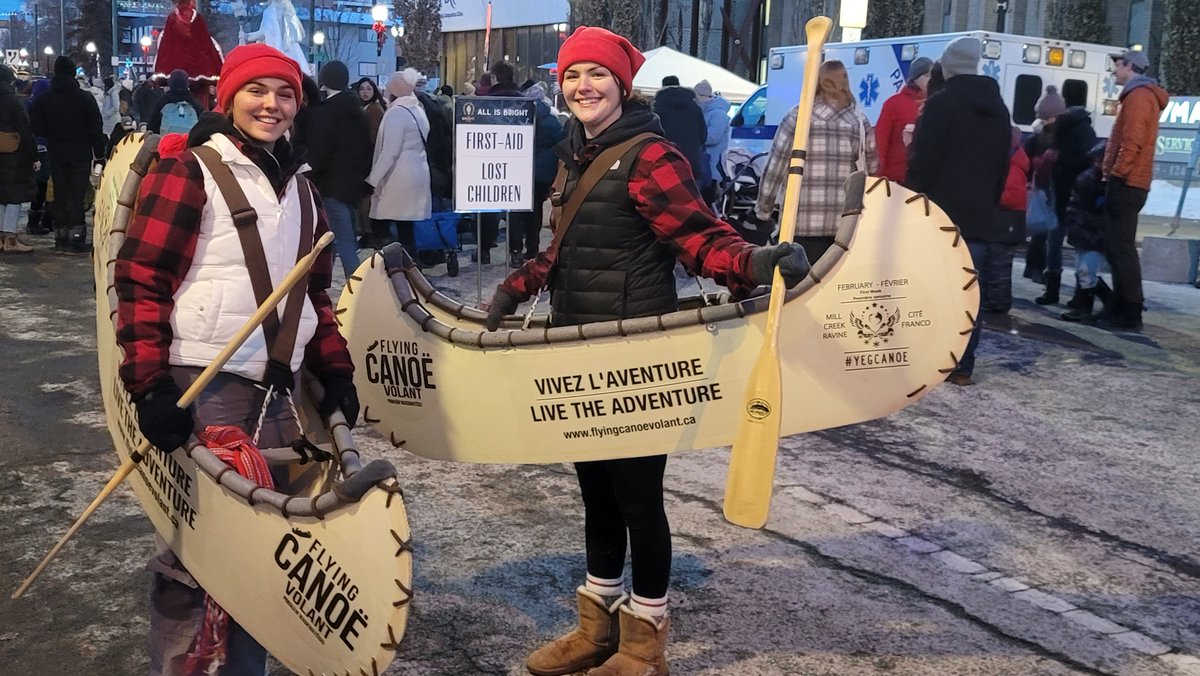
[(176, 601)]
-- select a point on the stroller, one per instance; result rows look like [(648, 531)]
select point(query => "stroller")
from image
[(741, 173)]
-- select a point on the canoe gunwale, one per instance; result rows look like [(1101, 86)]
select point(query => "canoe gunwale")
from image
[(414, 292)]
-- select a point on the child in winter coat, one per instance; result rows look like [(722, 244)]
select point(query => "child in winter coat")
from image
[(1085, 232)]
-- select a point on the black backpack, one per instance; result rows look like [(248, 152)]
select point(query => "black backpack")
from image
[(439, 147)]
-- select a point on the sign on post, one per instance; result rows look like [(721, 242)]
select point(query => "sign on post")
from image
[(493, 153)]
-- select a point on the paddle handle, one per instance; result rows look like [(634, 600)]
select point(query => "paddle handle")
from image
[(206, 376), (752, 461)]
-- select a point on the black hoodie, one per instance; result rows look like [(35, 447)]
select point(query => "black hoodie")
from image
[(960, 152), (683, 124), (69, 119), (1073, 139)]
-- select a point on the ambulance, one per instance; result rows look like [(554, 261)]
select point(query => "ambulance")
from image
[(1023, 66)]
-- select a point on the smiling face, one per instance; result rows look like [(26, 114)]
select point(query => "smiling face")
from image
[(264, 109), (593, 95)]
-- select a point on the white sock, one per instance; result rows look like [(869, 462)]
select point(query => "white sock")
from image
[(606, 587), (656, 608)]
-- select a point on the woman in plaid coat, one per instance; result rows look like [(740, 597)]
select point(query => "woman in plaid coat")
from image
[(840, 142)]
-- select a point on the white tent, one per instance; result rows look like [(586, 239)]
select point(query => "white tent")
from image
[(664, 61)]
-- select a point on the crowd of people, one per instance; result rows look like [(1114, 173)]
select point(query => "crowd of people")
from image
[(948, 133), (640, 177)]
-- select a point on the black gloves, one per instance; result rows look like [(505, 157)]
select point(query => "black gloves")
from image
[(339, 394), (279, 376), (162, 422), (502, 304), (790, 257)]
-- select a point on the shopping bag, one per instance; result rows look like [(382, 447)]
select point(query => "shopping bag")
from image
[(438, 232), (1039, 215)]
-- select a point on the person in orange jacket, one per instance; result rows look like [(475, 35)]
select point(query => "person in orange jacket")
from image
[(1128, 165)]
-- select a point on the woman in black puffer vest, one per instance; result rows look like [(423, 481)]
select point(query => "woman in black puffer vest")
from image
[(616, 261)]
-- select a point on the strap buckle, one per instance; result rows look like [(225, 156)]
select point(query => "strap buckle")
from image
[(244, 217)]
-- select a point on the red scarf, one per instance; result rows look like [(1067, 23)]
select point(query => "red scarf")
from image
[(234, 447)]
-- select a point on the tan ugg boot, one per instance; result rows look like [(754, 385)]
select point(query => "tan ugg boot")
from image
[(589, 644), (13, 245), (643, 644)]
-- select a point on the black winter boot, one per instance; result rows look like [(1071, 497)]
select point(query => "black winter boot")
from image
[(1083, 310), (1108, 303), (1076, 301), (1127, 318), (1053, 279)]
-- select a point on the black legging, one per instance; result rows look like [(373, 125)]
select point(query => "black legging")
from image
[(620, 497)]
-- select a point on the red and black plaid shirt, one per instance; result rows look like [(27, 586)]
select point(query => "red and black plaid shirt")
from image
[(664, 193), (156, 256)]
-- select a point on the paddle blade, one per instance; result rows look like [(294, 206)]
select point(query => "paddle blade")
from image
[(752, 462)]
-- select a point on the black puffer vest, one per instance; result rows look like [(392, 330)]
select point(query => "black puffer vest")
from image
[(610, 264)]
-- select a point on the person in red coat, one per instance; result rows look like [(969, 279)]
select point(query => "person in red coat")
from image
[(187, 45), (898, 112), (996, 278)]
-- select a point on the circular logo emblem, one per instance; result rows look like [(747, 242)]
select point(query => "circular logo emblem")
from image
[(758, 409)]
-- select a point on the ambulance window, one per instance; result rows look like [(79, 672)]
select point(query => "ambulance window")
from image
[(753, 112), (1075, 93), (1027, 91)]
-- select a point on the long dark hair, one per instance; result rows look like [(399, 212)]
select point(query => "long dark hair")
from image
[(378, 98)]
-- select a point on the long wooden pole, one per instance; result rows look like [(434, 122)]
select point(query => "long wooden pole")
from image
[(298, 273), (752, 462)]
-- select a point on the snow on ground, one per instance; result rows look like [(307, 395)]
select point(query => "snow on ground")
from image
[(1164, 199)]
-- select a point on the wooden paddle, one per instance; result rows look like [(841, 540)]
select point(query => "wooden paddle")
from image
[(206, 376), (752, 463)]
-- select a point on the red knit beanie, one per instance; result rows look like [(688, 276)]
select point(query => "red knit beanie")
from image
[(250, 62), (605, 48)]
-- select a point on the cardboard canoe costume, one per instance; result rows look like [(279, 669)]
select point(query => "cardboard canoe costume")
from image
[(321, 577), (186, 45), (881, 319)]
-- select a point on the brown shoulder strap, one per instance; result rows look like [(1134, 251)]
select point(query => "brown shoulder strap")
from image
[(281, 349), (280, 337), (562, 214)]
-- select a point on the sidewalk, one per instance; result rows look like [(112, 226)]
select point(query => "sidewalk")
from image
[(1158, 226)]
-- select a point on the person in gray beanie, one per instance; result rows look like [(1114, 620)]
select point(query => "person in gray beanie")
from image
[(959, 159), (1051, 105), (962, 57), (900, 111)]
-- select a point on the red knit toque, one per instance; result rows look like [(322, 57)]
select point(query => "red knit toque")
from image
[(605, 48), (250, 62)]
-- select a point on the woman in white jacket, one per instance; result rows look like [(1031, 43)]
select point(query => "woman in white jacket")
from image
[(400, 173)]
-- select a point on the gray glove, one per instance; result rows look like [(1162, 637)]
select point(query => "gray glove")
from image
[(502, 304), (790, 257)]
